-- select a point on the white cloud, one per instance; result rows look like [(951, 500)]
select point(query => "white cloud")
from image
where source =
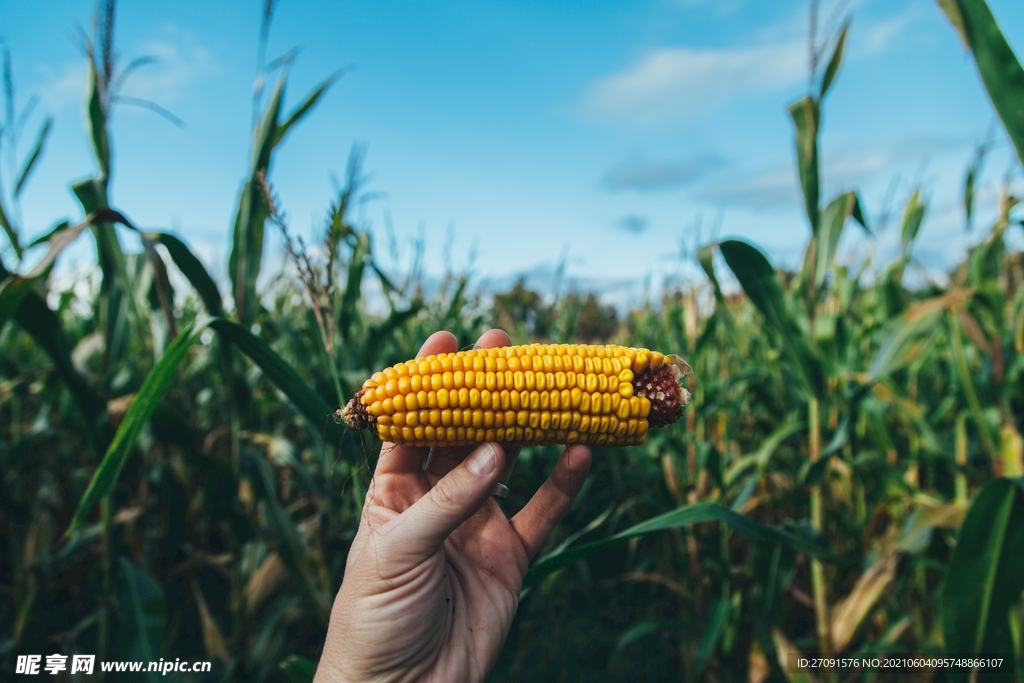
[(777, 186), (180, 61), (773, 188), (63, 88), (676, 82)]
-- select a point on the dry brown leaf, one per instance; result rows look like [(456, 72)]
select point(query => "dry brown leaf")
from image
[(127, 515), (117, 407), (1013, 451), (262, 582), (757, 665), (786, 651), (213, 639), (851, 611)]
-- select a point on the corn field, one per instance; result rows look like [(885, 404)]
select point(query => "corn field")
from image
[(848, 479)]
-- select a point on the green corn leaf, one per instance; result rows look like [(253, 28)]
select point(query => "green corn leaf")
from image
[(146, 400), (712, 632), (677, 519), (385, 330), (58, 240), (298, 669), (247, 248), (12, 291), (642, 629), (805, 114), (831, 230), (267, 131), (706, 258), (114, 303), (33, 157), (252, 213), (300, 111), (761, 284), (986, 576), (42, 324), (906, 336), (97, 120), (354, 284), (761, 458), (192, 268), (142, 621), (287, 541), (971, 179), (47, 236), (281, 374), (12, 234), (998, 66), (835, 61), (913, 214), (967, 384)]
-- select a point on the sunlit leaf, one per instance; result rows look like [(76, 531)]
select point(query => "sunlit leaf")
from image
[(905, 336), (850, 612)]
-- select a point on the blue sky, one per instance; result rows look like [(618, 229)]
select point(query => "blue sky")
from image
[(512, 135)]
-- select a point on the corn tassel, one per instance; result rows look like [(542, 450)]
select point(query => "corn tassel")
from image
[(523, 395)]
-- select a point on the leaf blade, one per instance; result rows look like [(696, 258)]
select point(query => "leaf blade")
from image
[(146, 400), (280, 373), (33, 157), (761, 284), (986, 573), (1000, 70), (674, 519)]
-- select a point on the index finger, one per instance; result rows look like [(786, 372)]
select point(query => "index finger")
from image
[(396, 459)]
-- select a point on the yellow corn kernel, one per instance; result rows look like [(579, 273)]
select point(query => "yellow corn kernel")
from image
[(534, 393)]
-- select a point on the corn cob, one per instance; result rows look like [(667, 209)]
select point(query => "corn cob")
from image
[(535, 394)]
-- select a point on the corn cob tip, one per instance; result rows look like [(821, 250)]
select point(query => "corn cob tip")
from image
[(354, 413), (680, 369)]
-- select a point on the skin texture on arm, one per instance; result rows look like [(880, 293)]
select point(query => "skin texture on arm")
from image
[(433, 575)]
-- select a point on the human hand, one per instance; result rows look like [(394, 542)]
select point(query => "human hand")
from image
[(434, 573)]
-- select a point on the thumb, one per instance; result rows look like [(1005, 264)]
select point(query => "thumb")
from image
[(455, 498)]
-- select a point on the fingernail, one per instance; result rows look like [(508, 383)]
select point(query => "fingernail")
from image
[(483, 460)]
